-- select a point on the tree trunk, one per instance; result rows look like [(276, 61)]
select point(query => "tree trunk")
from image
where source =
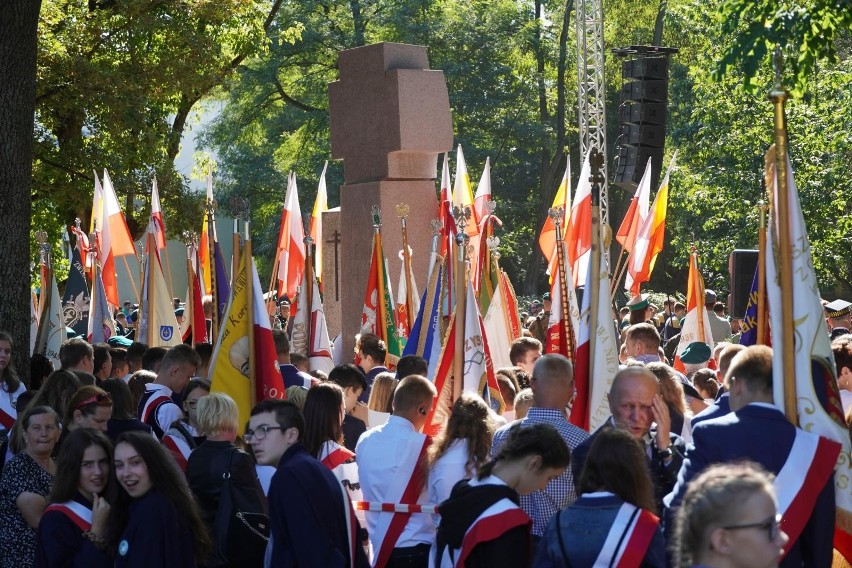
[(549, 167), (18, 43)]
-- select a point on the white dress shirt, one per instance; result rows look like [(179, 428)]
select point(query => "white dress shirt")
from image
[(379, 452)]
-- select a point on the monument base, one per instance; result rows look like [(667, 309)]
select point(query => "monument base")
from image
[(356, 236)]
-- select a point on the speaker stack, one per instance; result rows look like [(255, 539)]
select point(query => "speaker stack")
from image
[(642, 114)]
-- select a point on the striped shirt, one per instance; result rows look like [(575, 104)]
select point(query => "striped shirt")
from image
[(560, 492)]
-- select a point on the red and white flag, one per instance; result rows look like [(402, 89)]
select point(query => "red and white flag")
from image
[(310, 333), (650, 239), (157, 217), (562, 332), (817, 395), (291, 242), (636, 213), (597, 355)]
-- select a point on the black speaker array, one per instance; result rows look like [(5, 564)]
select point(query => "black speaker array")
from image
[(741, 267), (642, 119)]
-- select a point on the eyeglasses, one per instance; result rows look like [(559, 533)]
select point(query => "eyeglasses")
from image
[(97, 399), (770, 525), (260, 433)]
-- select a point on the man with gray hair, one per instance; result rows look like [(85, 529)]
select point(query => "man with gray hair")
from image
[(552, 384), (639, 409)]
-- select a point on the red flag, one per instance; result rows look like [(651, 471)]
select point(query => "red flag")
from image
[(290, 252)]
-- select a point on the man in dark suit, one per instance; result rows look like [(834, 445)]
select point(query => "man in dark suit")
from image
[(722, 406), (635, 405), (758, 431)]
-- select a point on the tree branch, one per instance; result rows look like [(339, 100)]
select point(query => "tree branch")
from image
[(304, 106)]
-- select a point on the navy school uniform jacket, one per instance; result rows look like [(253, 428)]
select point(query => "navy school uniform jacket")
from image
[(60, 542), (307, 516), (156, 535), (763, 435)]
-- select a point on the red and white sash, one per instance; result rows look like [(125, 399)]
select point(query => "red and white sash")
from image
[(333, 454), (494, 522), (808, 468), (351, 526), (179, 449), (8, 413), (404, 488), (152, 404), (79, 514), (628, 539)]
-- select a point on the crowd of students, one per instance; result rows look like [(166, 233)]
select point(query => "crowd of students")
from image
[(140, 464)]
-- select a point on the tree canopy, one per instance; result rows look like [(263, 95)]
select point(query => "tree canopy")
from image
[(119, 80)]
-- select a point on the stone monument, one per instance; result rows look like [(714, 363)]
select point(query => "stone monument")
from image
[(390, 119)]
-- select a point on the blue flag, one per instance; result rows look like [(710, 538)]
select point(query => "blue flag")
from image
[(223, 289), (749, 324), (76, 301), (425, 337)]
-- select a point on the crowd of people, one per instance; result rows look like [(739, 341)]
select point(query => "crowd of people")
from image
[(127, 456)]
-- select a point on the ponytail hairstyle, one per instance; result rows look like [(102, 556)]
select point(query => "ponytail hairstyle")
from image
[(713, 500), (531, 440), (10, 379)]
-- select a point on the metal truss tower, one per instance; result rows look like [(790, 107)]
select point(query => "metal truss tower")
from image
[(591, 89)]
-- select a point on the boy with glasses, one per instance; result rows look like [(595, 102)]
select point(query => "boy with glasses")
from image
[(312, 520)]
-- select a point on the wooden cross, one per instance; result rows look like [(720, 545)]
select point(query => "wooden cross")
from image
[(335, 240)]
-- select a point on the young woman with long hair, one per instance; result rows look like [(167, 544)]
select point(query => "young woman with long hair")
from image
[(482, 523), (380, 404), (729, 519), (11, 386), (461, 447), (154, 521), (72, 529), (323, 437), (615, 485)]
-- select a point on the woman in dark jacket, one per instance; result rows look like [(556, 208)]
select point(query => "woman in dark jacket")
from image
[(482, 523), (615, 506), (216, 457), (154, 521)]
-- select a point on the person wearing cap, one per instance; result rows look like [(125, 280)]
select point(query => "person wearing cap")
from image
[(839, 314), (640, 307), (696, 356), (539, 324), (283, 314), (179, 312), (720, 328)]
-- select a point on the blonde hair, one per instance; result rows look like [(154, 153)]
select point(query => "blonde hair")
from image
[(381, 393), (217, 413), (523, 402), (713, 499)]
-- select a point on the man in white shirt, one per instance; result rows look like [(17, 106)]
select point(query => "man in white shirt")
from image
[(391, 468)]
